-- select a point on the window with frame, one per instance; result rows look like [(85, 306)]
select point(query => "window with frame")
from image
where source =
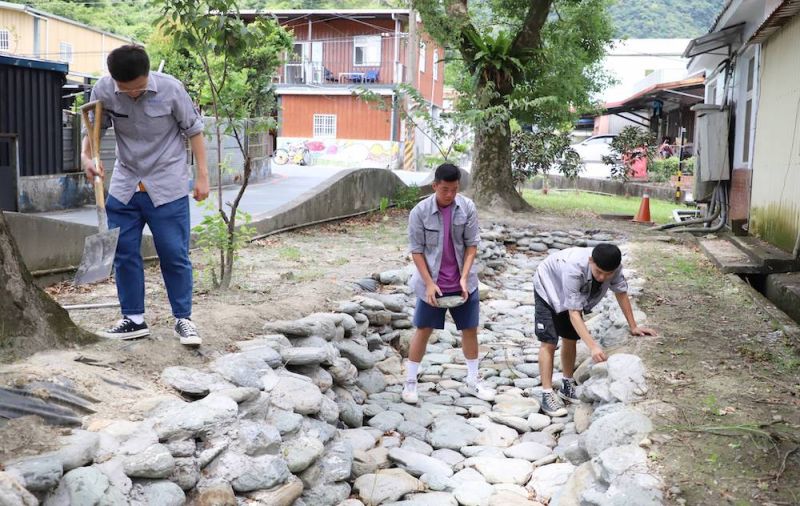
[(423, 53), (712, 94), (367, 50), (435, 65), (325, 126), (748, 109), (5, 40), (65, 52)]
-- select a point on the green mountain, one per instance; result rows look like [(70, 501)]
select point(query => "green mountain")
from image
[(656, 19), (633, 18)]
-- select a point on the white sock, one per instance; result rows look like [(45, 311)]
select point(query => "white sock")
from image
[(138, 319), (472, 369), (412, 368), (547, 390)]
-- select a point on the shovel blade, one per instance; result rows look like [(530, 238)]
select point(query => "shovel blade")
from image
[(98, 257)]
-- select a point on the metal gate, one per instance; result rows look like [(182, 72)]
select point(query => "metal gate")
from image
[(9, 170)]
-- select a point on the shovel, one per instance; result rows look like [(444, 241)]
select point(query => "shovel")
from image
[(100, 248)]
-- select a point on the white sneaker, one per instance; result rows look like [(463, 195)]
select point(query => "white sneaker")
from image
[(409, 394), (480, 390), (187, 332)]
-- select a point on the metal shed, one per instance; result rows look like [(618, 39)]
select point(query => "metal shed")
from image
[(30, 122)]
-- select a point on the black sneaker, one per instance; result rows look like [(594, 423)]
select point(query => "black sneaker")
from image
[(567, 391), (125, 329), (187, 332), (552, 405)]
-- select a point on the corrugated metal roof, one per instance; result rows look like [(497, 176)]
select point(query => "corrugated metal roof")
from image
[(32, 63), (779, 17)]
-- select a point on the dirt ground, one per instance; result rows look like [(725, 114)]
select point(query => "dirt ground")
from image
[(724, 379)]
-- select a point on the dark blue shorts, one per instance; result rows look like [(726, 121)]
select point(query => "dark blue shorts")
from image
[(466, 316)]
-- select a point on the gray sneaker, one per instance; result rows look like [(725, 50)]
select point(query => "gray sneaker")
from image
[(186, 331), (552, 405), (567, 391)]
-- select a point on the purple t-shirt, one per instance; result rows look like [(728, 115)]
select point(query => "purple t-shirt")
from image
[(449, 280)]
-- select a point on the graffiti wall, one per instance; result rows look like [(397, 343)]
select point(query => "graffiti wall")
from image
[(345, 153)]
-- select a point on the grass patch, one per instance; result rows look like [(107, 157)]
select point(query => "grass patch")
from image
[(289, 253), (569, 202)]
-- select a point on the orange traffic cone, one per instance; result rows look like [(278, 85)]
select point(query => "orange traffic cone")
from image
[(643, 216)]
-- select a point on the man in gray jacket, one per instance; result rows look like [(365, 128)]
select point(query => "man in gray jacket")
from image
[(152, 115), (444, 236), (568, 284)]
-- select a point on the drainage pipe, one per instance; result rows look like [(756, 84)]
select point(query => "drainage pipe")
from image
[(714, 211), (723, 219)]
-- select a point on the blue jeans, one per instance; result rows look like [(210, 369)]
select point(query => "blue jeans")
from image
[(169, 224)]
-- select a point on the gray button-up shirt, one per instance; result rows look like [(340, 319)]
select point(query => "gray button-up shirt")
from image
[(150, 132), (564, 280), (426, 236)]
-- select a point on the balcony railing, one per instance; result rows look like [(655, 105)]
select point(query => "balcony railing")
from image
[(340, 73), (368, 59)]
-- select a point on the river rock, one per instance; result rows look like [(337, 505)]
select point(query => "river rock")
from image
[(358, 355), (293, 394), (281, 495), (162, 492), (502, 470), (301, 452), (623, 427), (246, 473), (189, 381), (242, 369), (201, 417), (154, 462), (418, 464), (385, 486), (452, 433), (13, 493), (547, 480)]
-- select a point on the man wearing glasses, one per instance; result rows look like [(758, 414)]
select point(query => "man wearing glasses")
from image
[(152, 115)]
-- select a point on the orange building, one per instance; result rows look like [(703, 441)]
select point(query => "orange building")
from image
[(338, 54)]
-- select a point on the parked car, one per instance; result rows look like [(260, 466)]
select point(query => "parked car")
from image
[(592, 151), (594, 148)]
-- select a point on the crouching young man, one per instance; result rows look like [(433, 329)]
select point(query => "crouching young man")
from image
[(443, 234), (566, 285)]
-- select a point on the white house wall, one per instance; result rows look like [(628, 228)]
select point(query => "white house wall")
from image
[(775, 199)]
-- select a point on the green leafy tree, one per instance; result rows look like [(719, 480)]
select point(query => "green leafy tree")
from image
[(629, 146), (534, 61), (540, 152), (231, 64)]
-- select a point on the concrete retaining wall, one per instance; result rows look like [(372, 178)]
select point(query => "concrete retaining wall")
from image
[(609, 186), (784, 291), (345, 193), (47, 244)]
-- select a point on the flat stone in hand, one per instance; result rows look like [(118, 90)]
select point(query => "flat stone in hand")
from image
[(450, 301)]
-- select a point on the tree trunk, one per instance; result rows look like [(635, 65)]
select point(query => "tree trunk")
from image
[(30, 320), (492, 184)]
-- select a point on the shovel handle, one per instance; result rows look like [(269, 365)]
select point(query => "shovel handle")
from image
[(93, 127)]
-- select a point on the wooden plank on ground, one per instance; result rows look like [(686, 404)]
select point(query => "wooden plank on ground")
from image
[(728, 257)]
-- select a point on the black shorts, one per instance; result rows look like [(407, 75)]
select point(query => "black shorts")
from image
[(550, 325)]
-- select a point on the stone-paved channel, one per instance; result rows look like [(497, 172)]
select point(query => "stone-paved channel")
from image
[(309, 414)]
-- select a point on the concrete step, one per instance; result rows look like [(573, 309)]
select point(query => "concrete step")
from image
[(728, 257), (773, 259)]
